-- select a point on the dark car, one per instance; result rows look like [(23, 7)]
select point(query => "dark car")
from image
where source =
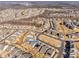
[(66, 55)]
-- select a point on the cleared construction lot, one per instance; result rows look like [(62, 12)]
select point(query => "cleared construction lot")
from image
[(50, 40)]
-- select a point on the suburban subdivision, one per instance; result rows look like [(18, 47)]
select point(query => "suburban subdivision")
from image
[(34, 30)]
